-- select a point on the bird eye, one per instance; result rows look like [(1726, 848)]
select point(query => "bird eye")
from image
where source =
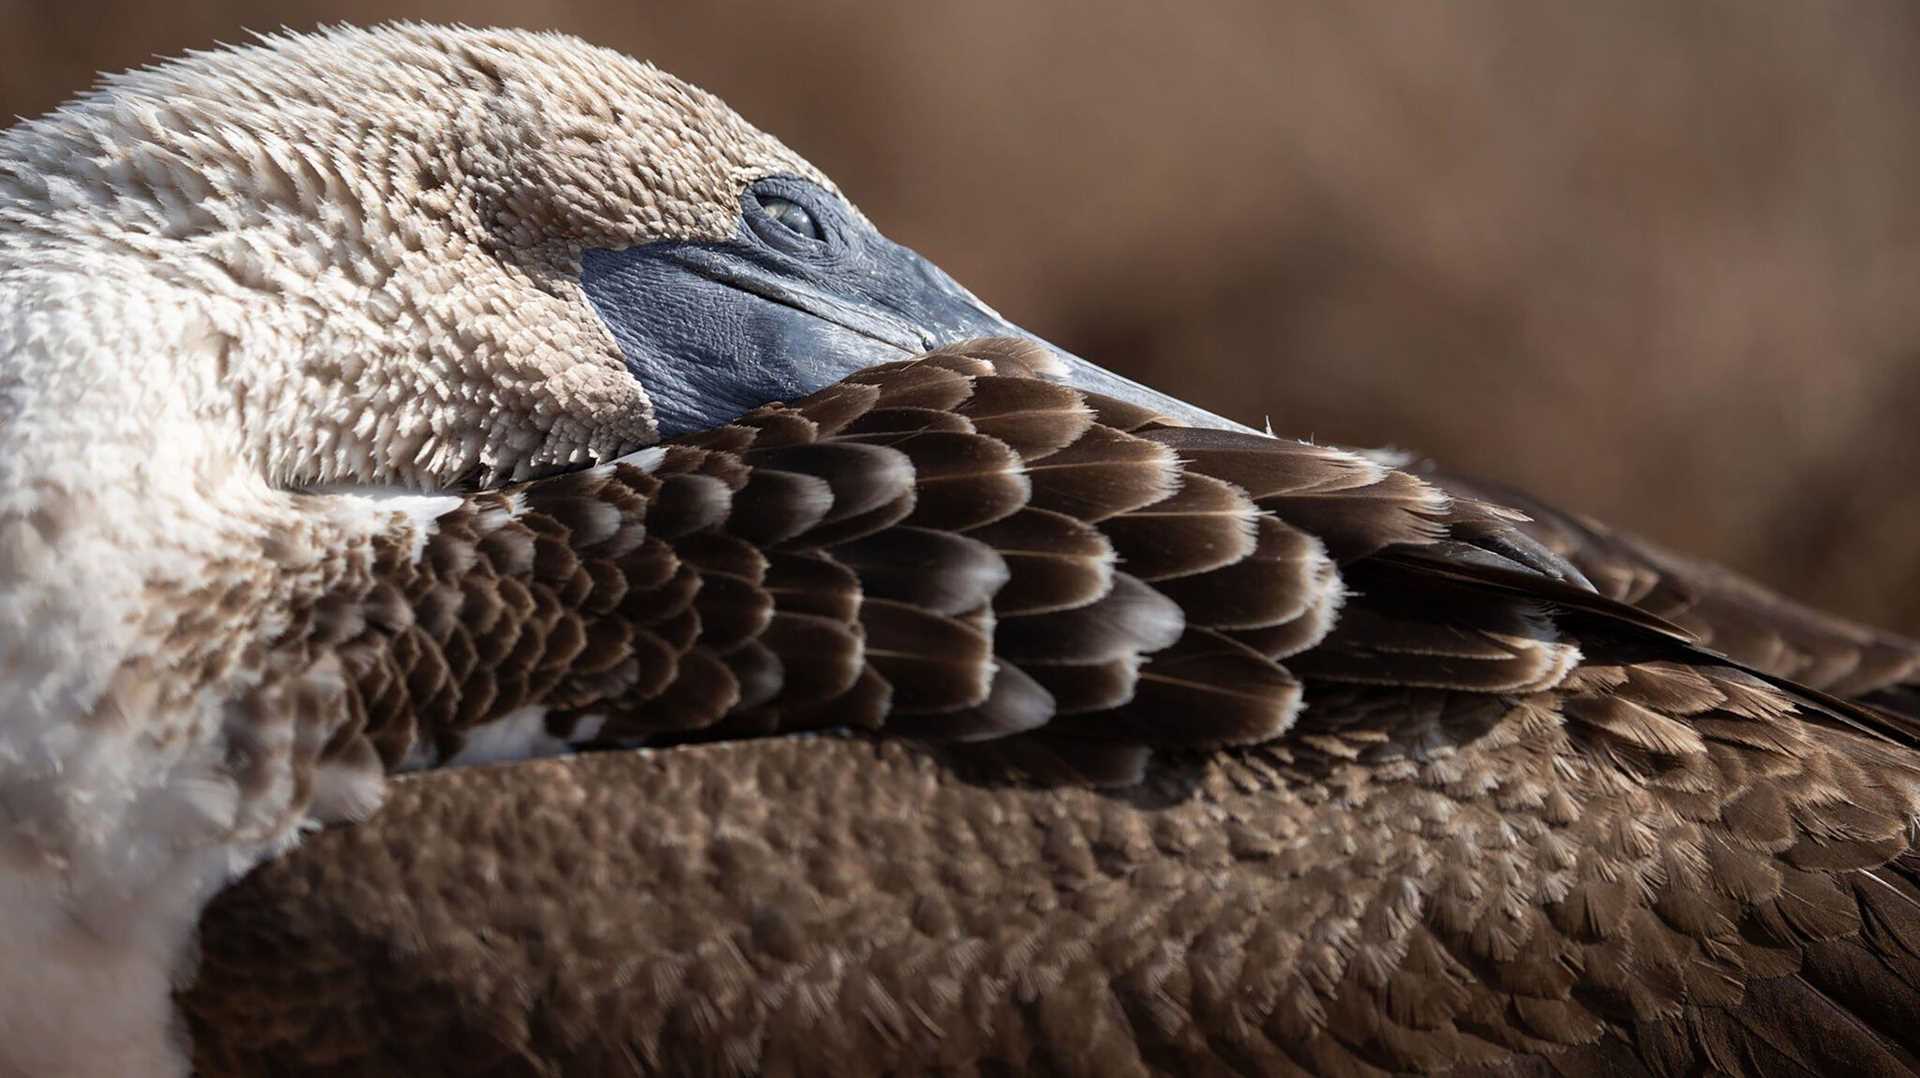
[(793, 216)]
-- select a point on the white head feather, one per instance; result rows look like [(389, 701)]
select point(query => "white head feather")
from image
[(343, 258)]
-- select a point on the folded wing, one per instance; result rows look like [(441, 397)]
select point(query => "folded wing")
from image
[(1389, 784)]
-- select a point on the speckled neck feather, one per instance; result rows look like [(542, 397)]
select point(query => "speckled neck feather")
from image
[(339, 260)]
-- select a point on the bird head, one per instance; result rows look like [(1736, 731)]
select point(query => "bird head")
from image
[(418, 256)]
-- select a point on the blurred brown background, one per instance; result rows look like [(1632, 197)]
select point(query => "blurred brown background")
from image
[(1659, 261)]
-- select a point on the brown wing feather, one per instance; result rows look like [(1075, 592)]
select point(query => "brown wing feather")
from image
[(1398, 788), (1724, 610)]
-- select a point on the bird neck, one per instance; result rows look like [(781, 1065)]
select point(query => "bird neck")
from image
[(143, 560)]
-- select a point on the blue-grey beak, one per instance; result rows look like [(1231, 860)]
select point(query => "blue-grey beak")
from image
[(804, 294)]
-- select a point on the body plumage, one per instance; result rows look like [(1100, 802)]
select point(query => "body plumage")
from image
[(966, 707)]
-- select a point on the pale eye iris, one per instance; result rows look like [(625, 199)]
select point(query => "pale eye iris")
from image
[(792, 215)]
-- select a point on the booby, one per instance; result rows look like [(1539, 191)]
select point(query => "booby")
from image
[(378, 402)]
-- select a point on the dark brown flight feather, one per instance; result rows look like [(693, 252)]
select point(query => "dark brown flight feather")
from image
[(1721, 609), (1171, 751)]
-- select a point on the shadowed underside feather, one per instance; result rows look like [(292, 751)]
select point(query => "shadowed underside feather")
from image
[(1275, 761)]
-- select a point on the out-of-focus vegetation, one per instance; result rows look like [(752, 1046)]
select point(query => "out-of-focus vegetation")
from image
[(1660, 261)]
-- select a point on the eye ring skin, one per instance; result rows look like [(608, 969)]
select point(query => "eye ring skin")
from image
[(829, 221), (793, 217)]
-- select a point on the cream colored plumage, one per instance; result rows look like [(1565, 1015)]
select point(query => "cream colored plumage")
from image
[(222, 280), (332, 370)]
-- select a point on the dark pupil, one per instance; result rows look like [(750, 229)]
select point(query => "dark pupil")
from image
[(792, 215)]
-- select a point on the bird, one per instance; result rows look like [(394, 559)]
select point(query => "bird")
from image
[(504, 569)]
